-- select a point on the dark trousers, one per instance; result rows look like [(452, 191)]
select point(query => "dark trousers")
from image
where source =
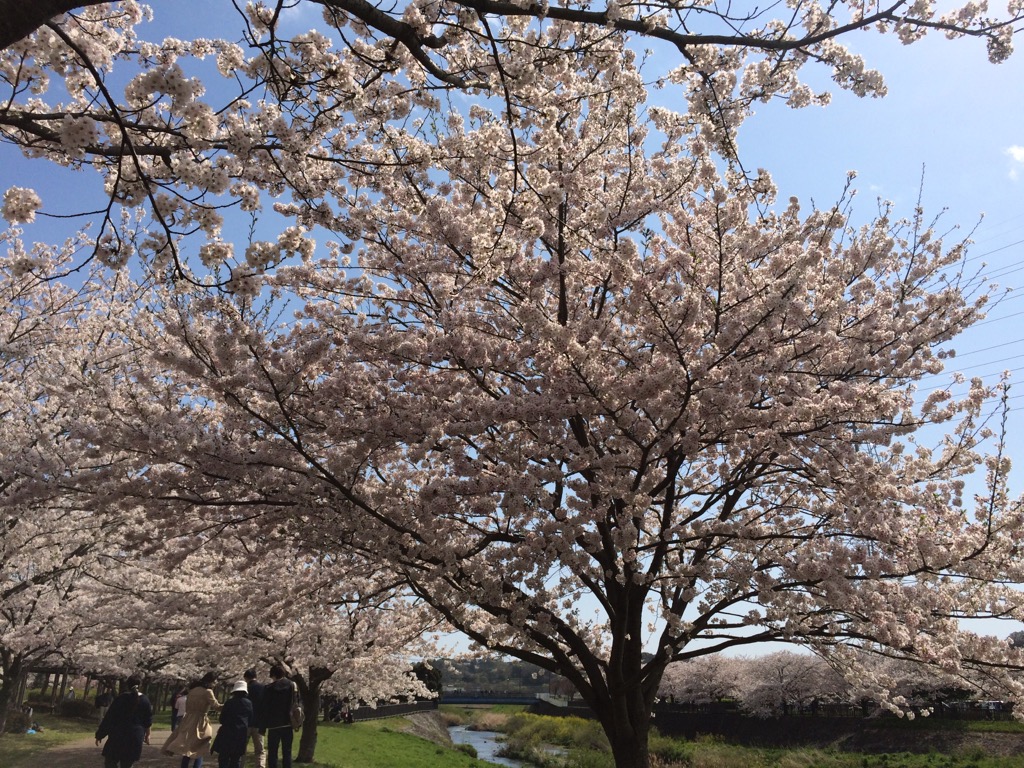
[(229, 761), (113, 762), (283, 737)]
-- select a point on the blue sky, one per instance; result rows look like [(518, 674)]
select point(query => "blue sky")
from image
[(957, 119)]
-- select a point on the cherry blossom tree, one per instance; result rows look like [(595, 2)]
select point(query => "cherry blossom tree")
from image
[(703, 680), (419, 32), (775, 683), (914, 689), (586, 387), (53, 336), (203, 131), (81, 590), (339, 625), (592, 396)]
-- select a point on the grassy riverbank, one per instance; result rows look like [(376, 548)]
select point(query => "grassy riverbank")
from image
[(385, 744), (399, 743), (583, 745)]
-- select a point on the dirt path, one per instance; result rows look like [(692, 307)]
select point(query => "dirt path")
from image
[(85, 754)]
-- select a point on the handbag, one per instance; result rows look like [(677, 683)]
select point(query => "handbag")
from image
[(295, 714)]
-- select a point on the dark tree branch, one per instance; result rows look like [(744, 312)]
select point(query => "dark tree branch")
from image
[(19, 19)]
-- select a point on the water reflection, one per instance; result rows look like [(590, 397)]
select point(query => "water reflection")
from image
[(485, 743)]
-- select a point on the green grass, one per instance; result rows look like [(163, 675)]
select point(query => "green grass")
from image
[(15, 747), (374, 744), (995, 726), (381, 744), (713, 755)]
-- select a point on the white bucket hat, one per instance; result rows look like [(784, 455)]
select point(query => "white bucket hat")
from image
[(240, 686)]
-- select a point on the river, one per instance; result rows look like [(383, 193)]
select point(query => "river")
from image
[(485, 743)]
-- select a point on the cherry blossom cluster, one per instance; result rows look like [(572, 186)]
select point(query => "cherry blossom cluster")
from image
[(222, 126), (20, 205)]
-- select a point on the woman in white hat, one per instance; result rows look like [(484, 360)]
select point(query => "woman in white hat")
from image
[(234, 727)]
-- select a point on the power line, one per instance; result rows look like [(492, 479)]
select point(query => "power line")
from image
[(988, 349), (997, 319)]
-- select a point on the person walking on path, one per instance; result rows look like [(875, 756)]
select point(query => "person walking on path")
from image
[(229, 743), (192, 739), (178, 708), (276, 717), (257, 728), (126, 725)]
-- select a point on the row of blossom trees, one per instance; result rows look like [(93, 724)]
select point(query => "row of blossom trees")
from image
[(784, 682), (429, 307), (84, 584)]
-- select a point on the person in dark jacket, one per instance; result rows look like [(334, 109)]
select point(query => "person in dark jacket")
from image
[(235, 717), (126, 726), (275, 716), (257, 730), (103, 701)]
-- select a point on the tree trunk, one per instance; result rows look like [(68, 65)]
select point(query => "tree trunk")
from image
[(307, 741), (10, 687), (624, 708), (310, 693), (626, 720), (22, 686), (57, 702)]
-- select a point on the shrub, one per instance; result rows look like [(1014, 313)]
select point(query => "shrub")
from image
[(469, 749), (489, 721), (590, 759), (670, 751), (659, 762), (452, 717), (806, 758), (79, 708), (575, 732)]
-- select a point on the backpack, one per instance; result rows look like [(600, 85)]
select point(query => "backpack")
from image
[(296, 714)]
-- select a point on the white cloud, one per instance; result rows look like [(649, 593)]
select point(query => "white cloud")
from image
[(301, 16), (1016, 155)]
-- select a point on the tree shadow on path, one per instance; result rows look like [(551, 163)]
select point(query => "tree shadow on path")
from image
[(85, 754)]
